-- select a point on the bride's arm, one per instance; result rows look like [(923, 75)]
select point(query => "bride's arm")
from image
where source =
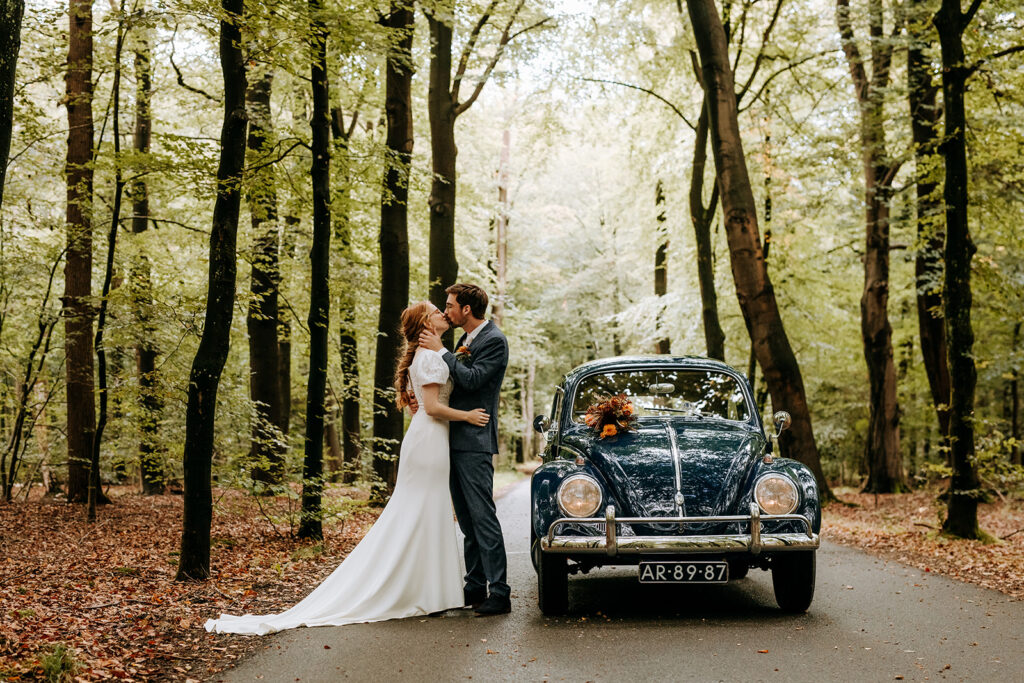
[(439, 411)]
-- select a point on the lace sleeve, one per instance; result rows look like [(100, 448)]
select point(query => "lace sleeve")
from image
[(432, 369)]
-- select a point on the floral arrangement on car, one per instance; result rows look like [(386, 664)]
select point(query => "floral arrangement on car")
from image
[(614, 415)]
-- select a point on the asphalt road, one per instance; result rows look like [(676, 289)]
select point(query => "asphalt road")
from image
[(871, 620)]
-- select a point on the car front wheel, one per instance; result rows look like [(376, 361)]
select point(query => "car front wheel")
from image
[(793, 580), (552, 583)]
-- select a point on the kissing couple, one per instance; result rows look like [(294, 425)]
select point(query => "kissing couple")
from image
[(409, 564)]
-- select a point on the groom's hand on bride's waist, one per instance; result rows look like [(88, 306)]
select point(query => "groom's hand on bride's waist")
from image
[(410, 399), (429, 340)]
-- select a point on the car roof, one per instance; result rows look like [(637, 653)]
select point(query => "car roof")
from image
[(646, 362)]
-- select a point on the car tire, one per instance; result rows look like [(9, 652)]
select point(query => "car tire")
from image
[(534, 550), (552, 584), (793, 580)]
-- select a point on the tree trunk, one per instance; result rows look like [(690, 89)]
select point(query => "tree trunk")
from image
[(924, 119), (141, 281), (444, 268), (265, 450), (663, 345), (78, 311), (388, 422), (108, 273), (348, 345), (11, 13), (501, 234), (310, 525), (194, 561), (753, 287), (284, 334), (964, 489), (882, 447), (702, 217)]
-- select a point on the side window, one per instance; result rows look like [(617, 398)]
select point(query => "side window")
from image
[(556, 407)]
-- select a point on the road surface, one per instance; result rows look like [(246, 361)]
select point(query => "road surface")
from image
[(871, 620)]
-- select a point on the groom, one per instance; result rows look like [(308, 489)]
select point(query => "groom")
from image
[(477, 369)]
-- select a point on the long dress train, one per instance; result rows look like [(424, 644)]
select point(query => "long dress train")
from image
[(409, 563)]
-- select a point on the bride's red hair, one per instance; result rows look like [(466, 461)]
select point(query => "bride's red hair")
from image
[(414, 321)]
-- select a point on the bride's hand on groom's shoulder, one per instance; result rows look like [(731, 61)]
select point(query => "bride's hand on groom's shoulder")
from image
[(429, 340)]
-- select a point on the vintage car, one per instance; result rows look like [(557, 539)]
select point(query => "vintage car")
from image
[(685, 484)]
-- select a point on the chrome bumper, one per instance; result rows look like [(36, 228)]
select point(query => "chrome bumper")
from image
[(612, 544)]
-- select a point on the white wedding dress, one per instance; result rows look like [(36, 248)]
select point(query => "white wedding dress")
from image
[(410, 562)]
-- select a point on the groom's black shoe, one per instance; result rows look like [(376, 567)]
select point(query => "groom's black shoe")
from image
[(494, 604), (474, 598)]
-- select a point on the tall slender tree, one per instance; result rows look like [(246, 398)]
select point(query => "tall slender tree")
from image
[(444, 107), (964, 487), (263, 317), (701, 217), (753, 286), (394, 241), (348, 344), (108, 271), (204, 378), (882, 447), (310, 524), (11, 13), (140, 277), (78, 310), (925, 114)]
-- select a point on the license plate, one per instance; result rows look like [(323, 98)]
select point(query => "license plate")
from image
[(684, 572)]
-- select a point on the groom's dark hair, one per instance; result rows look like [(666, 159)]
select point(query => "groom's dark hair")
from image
[(470, 295)]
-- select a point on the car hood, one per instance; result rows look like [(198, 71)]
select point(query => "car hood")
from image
[(716, 460)]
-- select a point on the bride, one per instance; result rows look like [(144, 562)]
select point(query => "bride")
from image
[(409, 563)]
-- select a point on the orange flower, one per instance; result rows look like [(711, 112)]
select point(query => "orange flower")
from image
[(627, 409), (462, 350), (609, 430)]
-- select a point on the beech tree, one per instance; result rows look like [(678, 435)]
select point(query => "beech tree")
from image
[(263, 318), (394, 240), (11, 12), (78, 310), (925, 114), (204, 379), (320, 294), (885, 469), (140, 276), (753, 286)]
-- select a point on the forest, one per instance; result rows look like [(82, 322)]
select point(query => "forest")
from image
[(212, 214)]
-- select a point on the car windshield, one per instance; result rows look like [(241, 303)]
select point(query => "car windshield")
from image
[(663, 392)]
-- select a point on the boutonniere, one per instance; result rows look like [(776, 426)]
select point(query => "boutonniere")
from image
[(462, 353)]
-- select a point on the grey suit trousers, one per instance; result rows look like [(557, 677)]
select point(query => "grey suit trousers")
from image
[(472, 487)]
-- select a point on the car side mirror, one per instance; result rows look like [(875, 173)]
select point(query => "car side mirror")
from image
[(782, 421), (541, 423)]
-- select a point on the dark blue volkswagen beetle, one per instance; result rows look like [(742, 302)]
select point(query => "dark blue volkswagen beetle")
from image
[(691, 494)]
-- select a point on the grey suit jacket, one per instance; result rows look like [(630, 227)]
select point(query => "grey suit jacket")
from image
[(477, 382)]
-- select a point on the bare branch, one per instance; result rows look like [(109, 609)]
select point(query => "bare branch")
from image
[(774, 75), (653, 94), (968, 16), (760, 52), (853, 57), (459, 108), (996, 55), (181, 78), (467, 51)]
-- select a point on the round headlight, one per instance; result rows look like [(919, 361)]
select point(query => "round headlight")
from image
[(579, 496), (776, 494)]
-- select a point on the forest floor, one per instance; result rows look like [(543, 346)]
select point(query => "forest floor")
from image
[(106, 591), (905, 527)]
